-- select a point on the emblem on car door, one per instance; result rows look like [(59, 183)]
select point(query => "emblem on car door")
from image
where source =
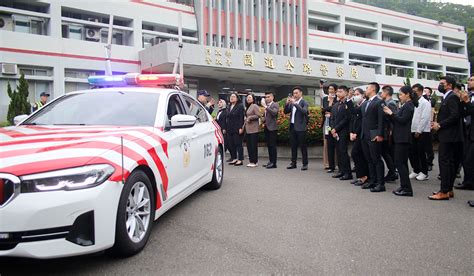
[(186, 147)]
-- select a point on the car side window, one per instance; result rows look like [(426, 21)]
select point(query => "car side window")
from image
[(174, 107), (196, 110)]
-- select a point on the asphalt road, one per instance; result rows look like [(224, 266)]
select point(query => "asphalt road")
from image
[(293, 222)]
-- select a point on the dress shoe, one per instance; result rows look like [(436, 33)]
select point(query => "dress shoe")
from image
[(391, 177), (265, 165), (359, 183), (233, 162), (355, 181), (338, 175), (346, 177), (304, 168), (368, 185), (471, 203), (402, 193), (326, 168), (238, 163), (439, 196), (271, 166), (330, 171), (377, 189), (229, 160), (291, 166), (461, 186), (450, 193), (398, 189)]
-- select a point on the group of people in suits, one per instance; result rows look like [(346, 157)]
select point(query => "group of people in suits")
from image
[(238, 122), (384, 130), (384, 133)]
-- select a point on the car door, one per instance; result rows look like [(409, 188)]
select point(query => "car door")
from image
[(180, 168), (203, 136)]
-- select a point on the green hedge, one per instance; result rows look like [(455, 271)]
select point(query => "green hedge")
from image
[(314, 134)]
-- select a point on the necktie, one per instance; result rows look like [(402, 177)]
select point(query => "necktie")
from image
[(367, 106)]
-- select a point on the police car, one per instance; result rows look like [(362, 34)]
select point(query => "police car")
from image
[(93, 169)]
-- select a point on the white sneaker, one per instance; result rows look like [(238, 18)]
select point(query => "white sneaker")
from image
[(422, 177), (252, 165), (413, 175)]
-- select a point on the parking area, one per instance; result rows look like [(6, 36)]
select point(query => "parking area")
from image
[(279, 221)]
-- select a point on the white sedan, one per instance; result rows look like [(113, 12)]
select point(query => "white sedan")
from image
[(93, 169)]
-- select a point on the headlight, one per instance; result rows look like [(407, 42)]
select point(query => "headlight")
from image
[(67, 179)]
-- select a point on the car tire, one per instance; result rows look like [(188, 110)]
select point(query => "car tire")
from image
[(218, 173), (128, 241)]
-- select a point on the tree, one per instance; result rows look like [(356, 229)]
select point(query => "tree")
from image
[(19, 104)]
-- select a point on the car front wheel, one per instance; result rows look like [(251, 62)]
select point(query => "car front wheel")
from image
[(135, 215)]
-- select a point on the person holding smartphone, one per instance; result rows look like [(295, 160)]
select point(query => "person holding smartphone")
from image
[(329, 141), (297, 107)]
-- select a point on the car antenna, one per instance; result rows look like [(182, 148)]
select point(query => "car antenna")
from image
[(179, 60), (108, 48), (121, 151)]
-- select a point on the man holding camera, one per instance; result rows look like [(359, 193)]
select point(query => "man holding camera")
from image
[(297, 107)]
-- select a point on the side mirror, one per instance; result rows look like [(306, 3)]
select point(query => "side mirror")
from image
[(182, 121), (18, 119)]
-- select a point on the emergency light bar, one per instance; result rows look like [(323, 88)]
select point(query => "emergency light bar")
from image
[(136, 79)]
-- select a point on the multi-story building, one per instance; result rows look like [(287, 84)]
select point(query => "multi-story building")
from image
[(238, 45)]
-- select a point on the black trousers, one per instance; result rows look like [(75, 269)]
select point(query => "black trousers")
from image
[(417, 154), (388, 156), (401, 162), (252, 147), (298, 139), (235, 146), (447, 166), (468, 163), (271, 140), (360, 162), (429, 148), (343, 160), (373, 154), (226, 142), (331, 144), (458, 157)]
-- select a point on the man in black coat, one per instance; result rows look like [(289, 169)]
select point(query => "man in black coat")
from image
[(450, 133), (388, 153), (297, 107), (340, 123), (372, 138), (467, 103)]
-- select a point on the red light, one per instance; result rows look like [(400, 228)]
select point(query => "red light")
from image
[(155, 79)]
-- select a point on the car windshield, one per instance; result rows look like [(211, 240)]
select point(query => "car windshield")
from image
[(117, 108)]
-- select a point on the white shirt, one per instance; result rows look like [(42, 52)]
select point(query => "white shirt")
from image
[(294, 111), (421, 121), (447, 94)]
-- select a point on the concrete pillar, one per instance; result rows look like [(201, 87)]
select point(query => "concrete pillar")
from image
[(252, 25), (293, 33), (236, 24), (259, 26), (209, 19), (59, 87), (227, 22), (137, 33), (219, 31), (55, 22), (274, 15), (244, 25)]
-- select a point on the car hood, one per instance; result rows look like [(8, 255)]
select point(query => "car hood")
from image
[(33, 149)]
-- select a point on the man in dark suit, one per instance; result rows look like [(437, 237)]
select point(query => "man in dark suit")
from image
[(270, 117), (340, 122), (387, 144), (297, 107), (450, 133), (427, 92), (372, 138), (467, 103)]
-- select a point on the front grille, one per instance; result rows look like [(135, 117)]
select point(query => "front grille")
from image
[(9, 188)]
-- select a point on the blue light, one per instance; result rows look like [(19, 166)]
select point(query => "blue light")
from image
[(107, 80)]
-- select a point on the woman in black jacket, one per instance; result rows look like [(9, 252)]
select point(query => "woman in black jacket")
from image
[(402, 137), (235, 122), (221, 119), (361, 167)]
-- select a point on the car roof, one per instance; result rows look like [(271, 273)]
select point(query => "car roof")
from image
[(160, 90)]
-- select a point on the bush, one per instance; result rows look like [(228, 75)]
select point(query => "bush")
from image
[(308, 99), (314, 134), (4, 124), (19, 104)]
